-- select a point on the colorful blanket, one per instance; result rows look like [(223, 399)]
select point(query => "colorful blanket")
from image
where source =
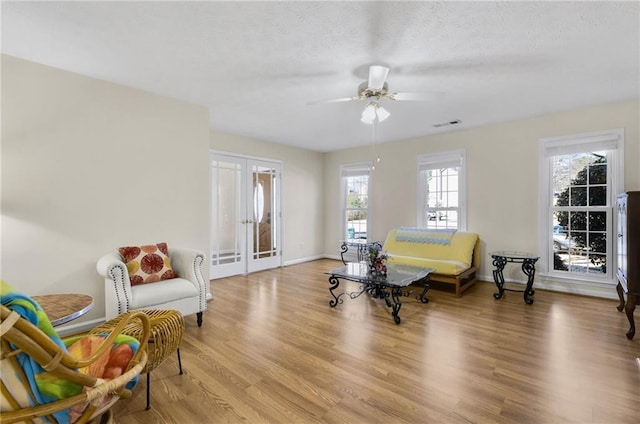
[(425, 235), (44, 386)]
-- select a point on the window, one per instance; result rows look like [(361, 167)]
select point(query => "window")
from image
[(355, 201), (441, 190), (581, 176)]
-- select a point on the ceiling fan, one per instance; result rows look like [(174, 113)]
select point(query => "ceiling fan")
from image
[(374, 90)]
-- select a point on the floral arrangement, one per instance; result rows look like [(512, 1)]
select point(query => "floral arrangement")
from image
[(377, 258)]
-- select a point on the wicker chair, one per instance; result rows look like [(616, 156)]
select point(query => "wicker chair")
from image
[(19, 336)]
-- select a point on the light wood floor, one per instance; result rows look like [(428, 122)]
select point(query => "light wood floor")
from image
[(271, 350)]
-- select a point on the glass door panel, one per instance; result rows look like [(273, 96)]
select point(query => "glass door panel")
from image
[(228, 246), (265, 245)]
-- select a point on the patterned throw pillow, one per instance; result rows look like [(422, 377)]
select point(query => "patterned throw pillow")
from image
[(147, 264)]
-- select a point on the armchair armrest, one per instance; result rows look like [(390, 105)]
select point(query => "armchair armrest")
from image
[(117, 288), (187, 263)]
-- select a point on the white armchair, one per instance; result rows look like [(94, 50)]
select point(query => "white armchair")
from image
[(186, 294)]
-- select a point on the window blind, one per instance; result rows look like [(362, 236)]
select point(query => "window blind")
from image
[(355, 170), (440, 161), (587, 144)]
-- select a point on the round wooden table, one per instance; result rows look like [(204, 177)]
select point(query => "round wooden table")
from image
[(64, 307)]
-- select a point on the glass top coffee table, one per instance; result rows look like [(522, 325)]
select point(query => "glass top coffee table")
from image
[(388, 287)]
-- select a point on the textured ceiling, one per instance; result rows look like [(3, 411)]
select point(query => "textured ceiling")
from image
[(257, 65)]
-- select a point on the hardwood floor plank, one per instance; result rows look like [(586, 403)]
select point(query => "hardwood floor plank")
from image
[(271, 350)]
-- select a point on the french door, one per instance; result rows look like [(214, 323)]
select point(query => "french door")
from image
[(245, 215)]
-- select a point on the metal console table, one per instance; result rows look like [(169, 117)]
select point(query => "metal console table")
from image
[(528, 261), (361, 247)]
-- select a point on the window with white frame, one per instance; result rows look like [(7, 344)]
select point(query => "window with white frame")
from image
[(442, 190), (580, 178), (355, 201)]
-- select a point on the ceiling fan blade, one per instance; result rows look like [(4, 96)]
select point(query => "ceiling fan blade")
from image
[(377, 76), (326, 101)]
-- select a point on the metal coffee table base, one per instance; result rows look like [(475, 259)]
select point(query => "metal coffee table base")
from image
[(390, 294)]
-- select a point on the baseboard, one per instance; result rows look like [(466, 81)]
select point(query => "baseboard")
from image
[(312, 258), (336, 257), (582, 288), (303, 260)]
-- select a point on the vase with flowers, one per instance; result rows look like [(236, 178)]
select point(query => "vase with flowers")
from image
[(377, 259)]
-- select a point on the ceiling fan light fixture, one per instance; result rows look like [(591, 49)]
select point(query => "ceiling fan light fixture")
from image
[(382, 113), (369, 114), (372, 111)]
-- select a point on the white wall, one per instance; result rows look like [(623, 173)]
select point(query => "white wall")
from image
[(302, 186), (88, 166), (502, 175)]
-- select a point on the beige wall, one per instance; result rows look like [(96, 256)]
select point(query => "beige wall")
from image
[(502, 175), (88, 166), (302, 186)]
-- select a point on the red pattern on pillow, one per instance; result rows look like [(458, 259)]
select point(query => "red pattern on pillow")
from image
[(148, 263)]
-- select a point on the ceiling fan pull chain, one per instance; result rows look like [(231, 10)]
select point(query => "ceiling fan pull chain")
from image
[(379, 131), (373, 144)]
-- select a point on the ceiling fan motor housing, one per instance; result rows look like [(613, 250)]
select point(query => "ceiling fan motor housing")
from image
[(365, 92)]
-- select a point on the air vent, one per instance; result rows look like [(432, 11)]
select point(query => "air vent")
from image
[(446, 124)]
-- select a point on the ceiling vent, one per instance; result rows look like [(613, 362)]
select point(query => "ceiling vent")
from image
[(446, 124)]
